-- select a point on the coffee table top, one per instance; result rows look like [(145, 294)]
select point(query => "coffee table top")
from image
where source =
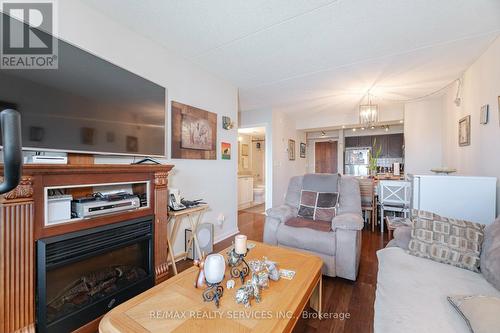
[(177, 306)]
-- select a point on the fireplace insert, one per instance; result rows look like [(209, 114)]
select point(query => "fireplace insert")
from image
[(82, 275)]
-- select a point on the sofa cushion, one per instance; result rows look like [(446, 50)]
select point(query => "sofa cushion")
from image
[(321, 182), (307, 239), (299, 222), (402, 236), (411, 293), (490, 257), (447, 240), (319, 206), (292, 197), (481, 313)]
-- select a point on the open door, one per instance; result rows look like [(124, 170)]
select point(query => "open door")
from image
[(325, 157)]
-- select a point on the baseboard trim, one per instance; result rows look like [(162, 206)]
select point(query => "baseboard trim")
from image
[(220, 238)]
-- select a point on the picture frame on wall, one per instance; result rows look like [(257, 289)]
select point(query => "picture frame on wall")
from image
[(225, 150), (291, 149), (194, 132), (483, 118), (302, 150), (464, 131)]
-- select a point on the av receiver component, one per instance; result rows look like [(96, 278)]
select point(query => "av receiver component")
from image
[(89, 208)]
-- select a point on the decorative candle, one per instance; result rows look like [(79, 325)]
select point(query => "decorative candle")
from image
[(214, 268), (240, 244)]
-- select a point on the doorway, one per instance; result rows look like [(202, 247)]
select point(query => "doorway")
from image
[(252, 170), (325, 157)]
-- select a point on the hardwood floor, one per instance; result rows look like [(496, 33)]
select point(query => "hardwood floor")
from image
[(340, 296)]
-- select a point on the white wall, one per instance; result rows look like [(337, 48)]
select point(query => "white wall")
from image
[(423, 130), (481, 85), (284, 128), (211, 180)]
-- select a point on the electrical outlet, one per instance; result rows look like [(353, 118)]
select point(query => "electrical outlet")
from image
[(220, 219)]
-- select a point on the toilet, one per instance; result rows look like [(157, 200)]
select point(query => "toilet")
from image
[(259, 194)]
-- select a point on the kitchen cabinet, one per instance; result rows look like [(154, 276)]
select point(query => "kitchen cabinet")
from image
[(391, 144), (395, 145), (245, 191), (351, 142)]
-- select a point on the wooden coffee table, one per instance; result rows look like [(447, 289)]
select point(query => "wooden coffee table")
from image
[(176, 306)]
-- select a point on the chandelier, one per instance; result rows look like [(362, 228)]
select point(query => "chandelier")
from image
[(368, 113)]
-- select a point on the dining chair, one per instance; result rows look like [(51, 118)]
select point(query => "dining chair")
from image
[(368, 204), (395, 196)]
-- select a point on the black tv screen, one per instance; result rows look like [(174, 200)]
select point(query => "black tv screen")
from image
[(86, 105)]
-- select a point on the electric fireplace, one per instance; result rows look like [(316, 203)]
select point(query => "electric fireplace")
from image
[(82, 275)]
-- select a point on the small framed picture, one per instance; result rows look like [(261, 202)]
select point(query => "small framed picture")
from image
[(464, 131), (483, 119), (291, 150), (302, 150), (226, 150)]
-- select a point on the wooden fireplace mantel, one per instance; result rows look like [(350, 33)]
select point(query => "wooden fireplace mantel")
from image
[(22, 224)]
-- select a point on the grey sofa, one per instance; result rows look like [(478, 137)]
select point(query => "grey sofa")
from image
[(340, 248)]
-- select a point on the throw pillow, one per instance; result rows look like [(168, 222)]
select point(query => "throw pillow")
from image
[(299, 222), (320, 206), (447, 240), (479, 312), (402, 236), (490, 257)]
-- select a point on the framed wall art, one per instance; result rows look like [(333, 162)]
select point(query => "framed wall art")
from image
[(483, 118), (225, 150), (194, 132), (464, 131), (302, 150), (291, 150)]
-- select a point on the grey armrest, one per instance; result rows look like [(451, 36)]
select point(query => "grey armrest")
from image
[(347, 221), (282, 213)]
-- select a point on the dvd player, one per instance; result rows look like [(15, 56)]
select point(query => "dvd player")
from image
[(89, 207)]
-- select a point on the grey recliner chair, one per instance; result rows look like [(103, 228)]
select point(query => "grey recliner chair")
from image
[(339, 248)]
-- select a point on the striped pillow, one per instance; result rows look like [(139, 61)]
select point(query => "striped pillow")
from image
[(318, 206)]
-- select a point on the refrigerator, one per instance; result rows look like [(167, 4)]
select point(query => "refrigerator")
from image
[(461, 197), (356, 161)]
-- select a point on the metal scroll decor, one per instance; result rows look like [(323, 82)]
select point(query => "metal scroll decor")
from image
[(238, 270), (214, 292)]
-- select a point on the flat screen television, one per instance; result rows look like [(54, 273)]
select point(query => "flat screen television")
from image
[(87, 105)]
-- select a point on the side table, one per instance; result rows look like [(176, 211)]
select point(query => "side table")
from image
[(194, 216)]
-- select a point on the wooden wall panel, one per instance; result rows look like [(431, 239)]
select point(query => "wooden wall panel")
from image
[(17, 260), (161, 230)]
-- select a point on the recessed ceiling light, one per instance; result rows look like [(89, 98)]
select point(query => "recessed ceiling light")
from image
[(354, 130), (401, 121), (362, 128), (343, 126)]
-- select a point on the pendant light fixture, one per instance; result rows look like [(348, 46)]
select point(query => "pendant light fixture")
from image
[(368, 113)]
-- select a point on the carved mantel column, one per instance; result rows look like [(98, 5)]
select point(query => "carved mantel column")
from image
[(17, 258), (161, 225)]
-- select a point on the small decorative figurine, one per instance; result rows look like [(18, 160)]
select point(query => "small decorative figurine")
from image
[(230, 284), (200, 277), (274, 273), (248, 291)]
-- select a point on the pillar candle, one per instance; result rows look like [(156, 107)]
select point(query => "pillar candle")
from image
[(240, 244)]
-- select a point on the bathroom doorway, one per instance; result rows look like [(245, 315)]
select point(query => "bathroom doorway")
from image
[(252, 169)]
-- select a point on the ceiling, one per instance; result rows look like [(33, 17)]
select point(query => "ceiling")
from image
[(319, 55)]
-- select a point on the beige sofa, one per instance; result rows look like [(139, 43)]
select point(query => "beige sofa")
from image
[(340, 248)]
